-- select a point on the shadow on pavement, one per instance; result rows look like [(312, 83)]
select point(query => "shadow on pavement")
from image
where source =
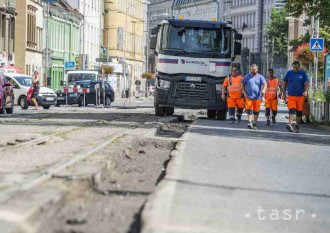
[(278, 132)]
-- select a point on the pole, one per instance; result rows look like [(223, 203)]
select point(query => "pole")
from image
[(311, 72), (316, 65), (47, 45), (125, 48), (218, 10), (273, 51)]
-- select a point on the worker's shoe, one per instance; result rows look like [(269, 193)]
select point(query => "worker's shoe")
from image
[(254, 126), (268, 122), (250, 125), (273, 120), (297, 130), (239, 119), (289, 127)]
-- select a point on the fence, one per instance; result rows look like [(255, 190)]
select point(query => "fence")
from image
[(320, 111)]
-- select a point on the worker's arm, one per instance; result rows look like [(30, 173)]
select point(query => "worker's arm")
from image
[(223, 96), (306, 89), (280, 88), (284, 91)]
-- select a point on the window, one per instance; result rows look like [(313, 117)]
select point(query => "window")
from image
[(31, 27)]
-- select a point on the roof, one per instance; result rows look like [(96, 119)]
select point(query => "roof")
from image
[(196, 23)]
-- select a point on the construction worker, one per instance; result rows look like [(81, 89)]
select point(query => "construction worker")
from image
[(233, 85), (254, 88), (297, 83), (271, 96)]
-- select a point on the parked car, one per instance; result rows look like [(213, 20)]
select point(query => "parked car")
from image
[(21, 85), (6, 96), (78, 98)]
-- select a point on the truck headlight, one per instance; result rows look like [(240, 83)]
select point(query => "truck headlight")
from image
[(218, 87), (164, 84)]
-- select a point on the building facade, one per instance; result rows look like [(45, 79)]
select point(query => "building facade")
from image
[(123, 40), (29, 44), (64, 40), (91, 30), (7, 32), (250, 17)]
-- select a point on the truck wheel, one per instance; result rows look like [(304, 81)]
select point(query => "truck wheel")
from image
[(169, 111), (222, 115), (23, 103), (211, 113), (159, 111), (46, 106)]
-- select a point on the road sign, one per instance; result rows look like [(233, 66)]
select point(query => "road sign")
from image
[(316, 45), (69, 65), (327, 71)]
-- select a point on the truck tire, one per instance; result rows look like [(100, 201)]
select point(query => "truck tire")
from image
[(159, 111), (169, 111), (211, 113), (23, 103), (222, 115)]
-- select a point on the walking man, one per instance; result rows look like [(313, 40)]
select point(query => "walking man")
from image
[(273, 85), (297, 83), (254, 88), (233, 84)]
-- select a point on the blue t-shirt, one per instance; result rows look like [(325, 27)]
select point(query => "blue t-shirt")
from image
[(253, 86), (296, 82)]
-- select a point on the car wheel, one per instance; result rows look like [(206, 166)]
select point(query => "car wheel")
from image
[(10, 110), (108, 101), (23, 103), (159, 111), (211, 113), (46, 106), (169, 111), (222, 115), (3, 109), (81, 101)]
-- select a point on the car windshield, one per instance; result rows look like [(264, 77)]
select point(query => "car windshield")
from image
[(72, 78), (197, 40), (24, 80)]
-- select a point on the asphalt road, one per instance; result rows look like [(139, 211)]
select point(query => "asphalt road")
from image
[(230, 179)]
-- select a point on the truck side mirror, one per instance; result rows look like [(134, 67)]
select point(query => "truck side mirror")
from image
[(237, 48), (238, 36), (153, 42)]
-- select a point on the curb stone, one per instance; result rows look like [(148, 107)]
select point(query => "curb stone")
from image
[(158, 204)]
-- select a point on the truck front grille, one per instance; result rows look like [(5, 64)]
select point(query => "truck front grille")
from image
[(190, 90)]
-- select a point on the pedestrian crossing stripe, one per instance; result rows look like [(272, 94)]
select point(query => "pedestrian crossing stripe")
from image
[(316, 44)]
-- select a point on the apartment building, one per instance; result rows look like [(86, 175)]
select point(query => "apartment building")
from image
[(124, 26), (29, 44), (7, 32)]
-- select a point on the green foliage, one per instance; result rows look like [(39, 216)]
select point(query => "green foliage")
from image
[(107, 69), (278, 29), (311, 8), (320, 95), (147, 75)]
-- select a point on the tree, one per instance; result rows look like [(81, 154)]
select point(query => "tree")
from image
[(278, 29), (318, 8)]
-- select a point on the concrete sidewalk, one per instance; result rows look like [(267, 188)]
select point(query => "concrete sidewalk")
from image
[(230, 179)]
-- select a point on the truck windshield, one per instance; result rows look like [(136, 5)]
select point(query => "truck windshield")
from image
[(197, 40)]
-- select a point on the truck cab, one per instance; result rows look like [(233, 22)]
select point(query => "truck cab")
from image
[(193, 57)]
